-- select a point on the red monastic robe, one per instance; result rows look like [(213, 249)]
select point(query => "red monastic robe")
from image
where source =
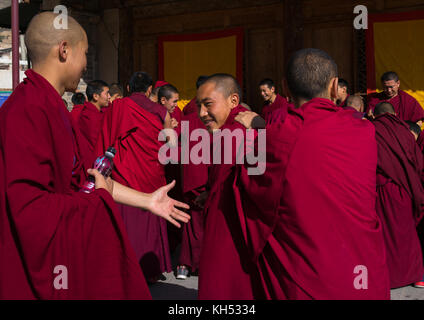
[(225, 271), (90, 122), (190, 107), (309, 222), (194, 179), (400, 197), (46, 225), (134, 132)]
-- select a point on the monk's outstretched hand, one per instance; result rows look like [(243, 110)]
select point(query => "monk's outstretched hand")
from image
[(165, 207)]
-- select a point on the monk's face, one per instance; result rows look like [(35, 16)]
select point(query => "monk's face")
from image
[(391, 88), (267, 93), (76, 64), (214, 107), (341, 93), (102, 99), (171, 103)]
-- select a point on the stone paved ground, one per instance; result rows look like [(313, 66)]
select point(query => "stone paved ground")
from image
[(173, 289)]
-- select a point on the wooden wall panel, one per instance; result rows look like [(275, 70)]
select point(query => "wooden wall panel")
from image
[(338, 42), (264, 23)]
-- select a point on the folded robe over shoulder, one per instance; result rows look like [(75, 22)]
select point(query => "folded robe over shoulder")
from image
[(44, 221), (134, 132), (310, 222), (400, 198)]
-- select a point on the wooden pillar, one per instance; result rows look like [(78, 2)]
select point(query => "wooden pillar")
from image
[(293, 27), (126, 46)]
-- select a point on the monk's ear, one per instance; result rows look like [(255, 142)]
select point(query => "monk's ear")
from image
[(235, 100), (333, 88), (64, 51), (149, 91), (162, 100), (96, 97)]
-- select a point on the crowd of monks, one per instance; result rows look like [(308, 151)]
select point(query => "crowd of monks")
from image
[(335, 215)]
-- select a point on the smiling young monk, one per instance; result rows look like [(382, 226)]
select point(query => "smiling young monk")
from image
[(46, 225)]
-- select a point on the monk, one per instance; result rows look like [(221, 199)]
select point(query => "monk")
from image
[(356, 104), (116, 92), (132, 126), (400, 195), (406, 106), (309, 222), (56, 242), (89, 116), (78, 98), (191, 107), (225, 270), (168, 97), (342, 93), (272, 101), (194, 179)]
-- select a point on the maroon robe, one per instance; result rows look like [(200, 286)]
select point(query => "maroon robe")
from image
[(406, 106), (356, 114), (225, 271), (194, 179), (190, 107), (133, 131), (310, 222), (44, 221), (269, 109), (400, 197), (90, 121)]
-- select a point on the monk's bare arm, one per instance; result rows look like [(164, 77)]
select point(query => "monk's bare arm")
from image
[(158, 202)]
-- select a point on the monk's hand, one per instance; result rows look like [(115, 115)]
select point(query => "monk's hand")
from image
[(201, 199), (174, 123), (165, 207), (245, 118), (100, 181)]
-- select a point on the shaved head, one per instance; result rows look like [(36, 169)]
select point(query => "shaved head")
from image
[(355, 102), (225, 83), (384, 107), (42, 36), (309, 72)]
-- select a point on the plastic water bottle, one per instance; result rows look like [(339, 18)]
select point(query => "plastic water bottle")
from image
[(104, 164)]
